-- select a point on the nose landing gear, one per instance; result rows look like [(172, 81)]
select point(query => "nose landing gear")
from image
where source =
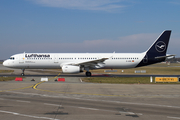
[(22, 74)]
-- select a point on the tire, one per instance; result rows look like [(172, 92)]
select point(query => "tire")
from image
[(88, 74)]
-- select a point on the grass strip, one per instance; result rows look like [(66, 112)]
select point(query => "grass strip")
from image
[(7, 78), (149, 70), (6, 71), (122, 80)]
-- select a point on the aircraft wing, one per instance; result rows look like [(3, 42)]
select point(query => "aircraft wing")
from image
[(90, 63)]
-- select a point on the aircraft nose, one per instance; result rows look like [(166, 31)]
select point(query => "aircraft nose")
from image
[(5, 63)]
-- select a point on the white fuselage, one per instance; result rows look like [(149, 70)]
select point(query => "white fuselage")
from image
[(56, 60)]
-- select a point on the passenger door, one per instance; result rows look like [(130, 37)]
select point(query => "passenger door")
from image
[(55, 58), (21, 58)]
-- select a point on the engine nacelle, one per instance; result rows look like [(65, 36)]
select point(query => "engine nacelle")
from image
[(71, 69)]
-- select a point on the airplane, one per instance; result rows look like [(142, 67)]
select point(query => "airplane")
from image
[(79, 62)]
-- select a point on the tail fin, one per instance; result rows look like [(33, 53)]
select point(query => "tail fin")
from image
[(159, 47), (157, 52)]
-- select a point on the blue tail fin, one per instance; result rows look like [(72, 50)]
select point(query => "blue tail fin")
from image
[(157, 52)]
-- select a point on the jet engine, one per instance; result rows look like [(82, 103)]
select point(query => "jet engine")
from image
[(71, 69)]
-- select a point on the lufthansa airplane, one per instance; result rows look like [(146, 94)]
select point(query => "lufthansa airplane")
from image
[(79, 62)]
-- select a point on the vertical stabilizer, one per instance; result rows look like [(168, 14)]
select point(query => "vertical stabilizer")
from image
[(157, 52)]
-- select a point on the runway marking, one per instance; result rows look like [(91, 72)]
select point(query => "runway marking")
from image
[(15, 100), (147, 104), (53, 104), (80, 80), (173, 117), (88, 108), (122, 112), (24, 115), (23, 101), (131, 113)]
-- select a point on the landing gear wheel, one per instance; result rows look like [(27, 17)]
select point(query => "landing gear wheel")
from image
[(88, 74), (22, 74)]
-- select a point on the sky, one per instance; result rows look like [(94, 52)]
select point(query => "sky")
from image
[(86, 26)]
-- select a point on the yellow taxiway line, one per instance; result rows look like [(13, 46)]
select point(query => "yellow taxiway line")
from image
[(35, 86)]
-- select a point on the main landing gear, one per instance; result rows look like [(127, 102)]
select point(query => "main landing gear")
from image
[(22, 74), (88, 74)]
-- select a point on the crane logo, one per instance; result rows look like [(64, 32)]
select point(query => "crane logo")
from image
[(160, 46)]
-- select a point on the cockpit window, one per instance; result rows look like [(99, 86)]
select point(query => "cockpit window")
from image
[(11, 58)]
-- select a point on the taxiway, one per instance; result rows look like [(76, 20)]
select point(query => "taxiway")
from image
[(77, 100)]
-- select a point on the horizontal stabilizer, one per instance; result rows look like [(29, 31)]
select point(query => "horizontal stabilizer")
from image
[(159, 57)]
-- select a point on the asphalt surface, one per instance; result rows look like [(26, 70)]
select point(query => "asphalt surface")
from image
[(76, 100), (31, 73)]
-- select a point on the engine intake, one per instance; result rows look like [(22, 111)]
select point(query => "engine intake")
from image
[(71, 69)]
